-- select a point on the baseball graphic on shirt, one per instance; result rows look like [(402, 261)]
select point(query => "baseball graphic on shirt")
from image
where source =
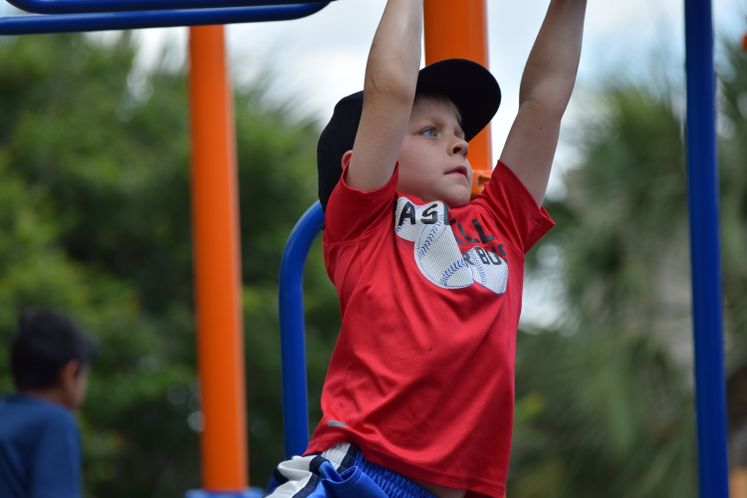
[(488, 270), (437, 253), (436, 250), (439, 258)]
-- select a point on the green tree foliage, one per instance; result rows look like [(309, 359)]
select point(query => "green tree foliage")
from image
[(95, 217), (605, 402), (95, 221), (733, 186)]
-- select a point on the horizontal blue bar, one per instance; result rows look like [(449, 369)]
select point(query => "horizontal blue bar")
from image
[(68, 23), (97, 6)]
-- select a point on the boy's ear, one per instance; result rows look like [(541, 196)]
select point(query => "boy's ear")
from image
[(69, 373), (68, 380), (346, 159)]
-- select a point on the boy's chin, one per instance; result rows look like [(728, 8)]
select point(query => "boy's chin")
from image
[(457, 200), (453, 197)]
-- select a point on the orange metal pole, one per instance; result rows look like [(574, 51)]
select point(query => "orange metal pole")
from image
[(217, 264), (459, 29)]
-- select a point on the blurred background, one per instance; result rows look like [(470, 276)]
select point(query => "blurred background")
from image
[(95, 221)]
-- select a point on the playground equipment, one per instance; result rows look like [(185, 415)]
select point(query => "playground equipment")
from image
[(97, 6), (82, 16), (705, 253), (215, 222), (217, 271)]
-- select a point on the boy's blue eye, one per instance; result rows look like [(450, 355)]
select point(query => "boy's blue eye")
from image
[(429, 132)]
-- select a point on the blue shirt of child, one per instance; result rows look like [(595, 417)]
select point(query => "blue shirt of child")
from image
[(39, 449)]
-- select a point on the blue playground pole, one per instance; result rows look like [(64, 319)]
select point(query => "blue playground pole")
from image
[(70, 23), (705, 251), (93, 6), (292, 337)]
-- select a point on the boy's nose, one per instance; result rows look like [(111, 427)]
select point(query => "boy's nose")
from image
[(460, 147)]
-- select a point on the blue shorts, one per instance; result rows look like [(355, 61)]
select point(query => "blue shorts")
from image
[(340, 472)]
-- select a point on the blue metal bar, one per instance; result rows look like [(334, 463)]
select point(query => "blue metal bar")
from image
[(292, 337), (97, 6), (247, 493), (67, 23), (705, 250)]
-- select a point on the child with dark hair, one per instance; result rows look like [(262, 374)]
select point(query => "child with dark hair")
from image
[(50, 357)]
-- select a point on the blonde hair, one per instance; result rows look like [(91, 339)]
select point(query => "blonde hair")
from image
[(422, 99)]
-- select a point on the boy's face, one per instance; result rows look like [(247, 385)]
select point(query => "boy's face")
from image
[(433, 159)]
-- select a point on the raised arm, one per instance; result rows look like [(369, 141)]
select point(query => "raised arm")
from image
[(546, 87), (389, 92)]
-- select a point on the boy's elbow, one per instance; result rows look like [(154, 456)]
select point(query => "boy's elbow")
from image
[(551, 99), (391, 85), (542, 110)]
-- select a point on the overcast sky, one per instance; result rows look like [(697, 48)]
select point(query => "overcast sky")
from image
[(321, 58)]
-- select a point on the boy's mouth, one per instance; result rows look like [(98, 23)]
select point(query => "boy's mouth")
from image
[(459, 170)]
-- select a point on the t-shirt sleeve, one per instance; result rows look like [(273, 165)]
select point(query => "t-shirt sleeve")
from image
[(513, 208), (351, 212), (56, 470)]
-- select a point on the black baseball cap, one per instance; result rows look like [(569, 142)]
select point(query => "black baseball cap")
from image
[(470, 86)]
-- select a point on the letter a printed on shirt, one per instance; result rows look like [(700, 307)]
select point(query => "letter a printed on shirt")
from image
[(436, 251)]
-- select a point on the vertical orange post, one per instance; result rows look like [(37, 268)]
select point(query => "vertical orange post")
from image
[(217, 264), (459, 29)]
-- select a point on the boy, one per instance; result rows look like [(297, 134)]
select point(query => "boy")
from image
[(39, 440), (418, 398)]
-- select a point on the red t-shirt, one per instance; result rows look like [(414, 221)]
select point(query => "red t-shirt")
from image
[(422, 375)]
